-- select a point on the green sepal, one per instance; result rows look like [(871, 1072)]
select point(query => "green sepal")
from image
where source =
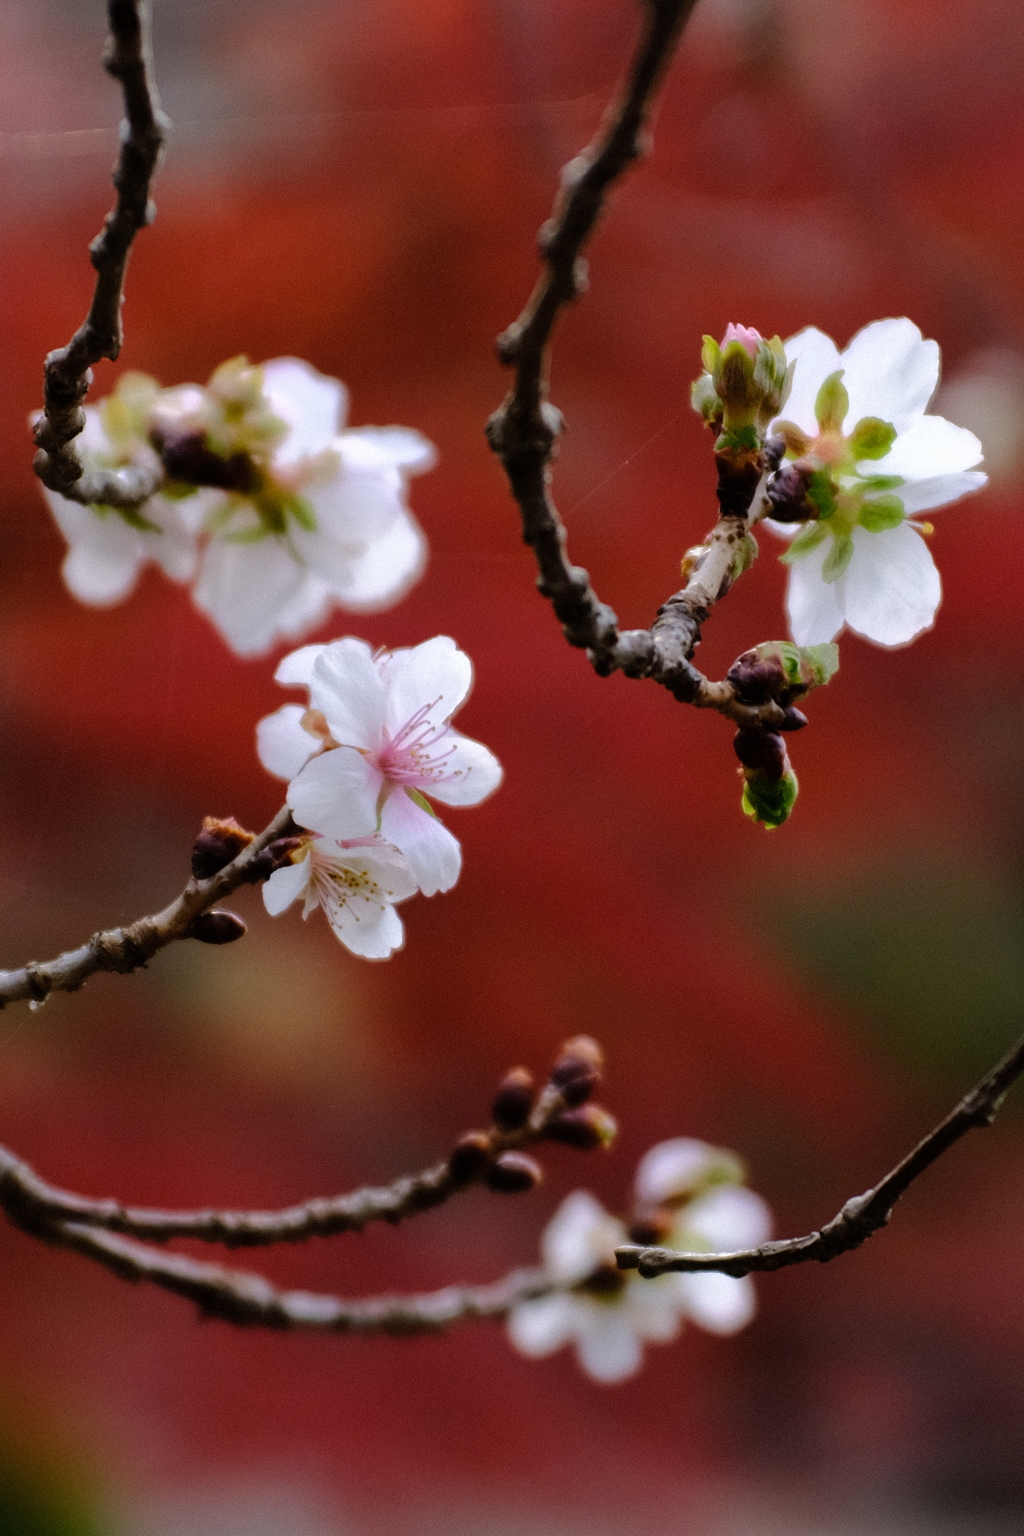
[(832, 403), (770, 804), (872, 438), (803, 666), (420, 800), (837, 559), (882, 513), (807, 539)]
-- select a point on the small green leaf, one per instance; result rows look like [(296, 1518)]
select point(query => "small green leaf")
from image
[(832, 403), (770, 804), (807, 539), (872, 438), (837, 559), (881, 513)]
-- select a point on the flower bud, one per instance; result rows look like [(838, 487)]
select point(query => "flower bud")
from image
[(585, 1128), (577, 1071), (469, 1156), (217, 927), (218, 843), (513, 1100), (513, 1174)]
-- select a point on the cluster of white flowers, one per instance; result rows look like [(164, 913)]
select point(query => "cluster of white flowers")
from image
[(610, 1314), (862, 561), (374, 742), (277, 512)]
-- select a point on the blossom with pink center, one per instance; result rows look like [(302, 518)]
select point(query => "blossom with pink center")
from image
[(357, 887), (374, 742)]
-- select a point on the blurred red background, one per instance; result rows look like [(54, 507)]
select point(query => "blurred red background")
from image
[(360, 184)]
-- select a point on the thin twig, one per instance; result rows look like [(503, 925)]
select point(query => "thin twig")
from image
[(68, 372), (35, 1206), (524, 430), (860, 1217), (237, 1296), (128, 949)]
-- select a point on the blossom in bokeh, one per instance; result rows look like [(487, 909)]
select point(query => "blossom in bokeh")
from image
[(610, 1314), (374, 743), (357, 887), (864, 459)]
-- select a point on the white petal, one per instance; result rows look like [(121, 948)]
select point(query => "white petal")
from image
[(725, 1218), (720, 1303), (282, 745), (579, 1238), (386, 569), (388, 448), (435, 674), (346, 685), (296, 669), (287, 884), (541, 1326), (923, 495), (433, 853), (335, 794), (929, 446), (890, 371), (313, 405), (891, 586), (816, 356), (813, 604), (673, 1168), (244, 587), (467, 772), (609, 1349)]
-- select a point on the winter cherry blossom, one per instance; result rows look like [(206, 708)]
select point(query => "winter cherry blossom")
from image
[(871, 459), (608, 1313), (294, 515), (374, 742), (108, 546), (357, 886)]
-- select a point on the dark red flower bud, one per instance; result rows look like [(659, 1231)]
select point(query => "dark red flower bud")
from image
[(470, 1154), (513, 1174), (513, 1100), (587, 1127), (217, 927), (793, 720), (577, 1071), (763, 751), (220, 841)]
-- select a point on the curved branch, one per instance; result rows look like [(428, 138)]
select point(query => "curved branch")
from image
[(128, 949), (860, 1217), (68, 370)]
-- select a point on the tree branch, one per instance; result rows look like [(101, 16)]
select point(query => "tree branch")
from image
[(68, 373), (128, 949), (860, 1217)]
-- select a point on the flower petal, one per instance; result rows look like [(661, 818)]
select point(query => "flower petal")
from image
[(346, 685), (433, 853), (813, 604), (923, 495), (282, 745), (469, 771), (312, 404), (296, 669), (929, 446), (727, 1217), (890, 371), (816, 356), (287, 884), (891, 589), (336, 794), (435, 674), (386, 569), (243, 589), (540, 1326), (720, 1303), (609, 1349)]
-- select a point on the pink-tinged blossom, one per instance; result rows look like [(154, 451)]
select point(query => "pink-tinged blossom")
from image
[(375, 743), (357, 887)]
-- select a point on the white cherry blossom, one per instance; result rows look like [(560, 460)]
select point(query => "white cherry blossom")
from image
[(610, 1314), (357, 886), (374, 743), (876, 460)]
